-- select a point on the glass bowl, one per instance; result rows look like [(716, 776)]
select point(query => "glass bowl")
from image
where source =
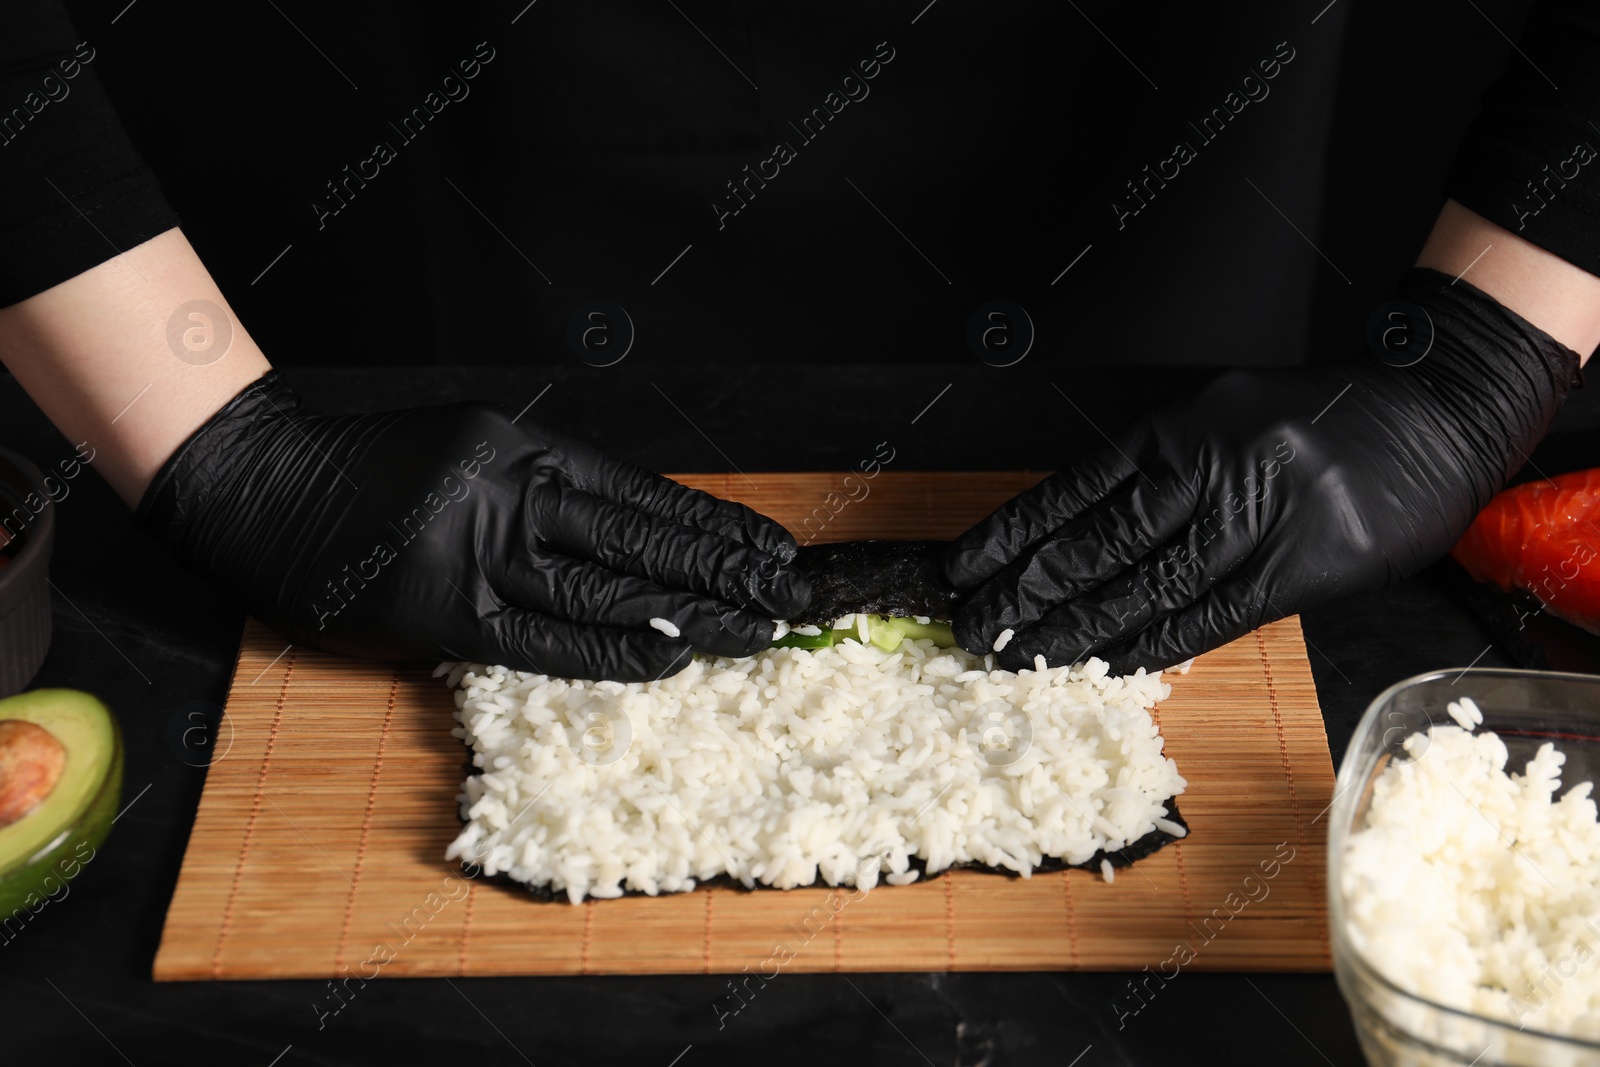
[(1526, 708)]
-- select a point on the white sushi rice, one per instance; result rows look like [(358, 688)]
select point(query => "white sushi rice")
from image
[(1004, 639), (1465, 712), (666, 626), (837, 764), (1477, 889), (1167, 826)]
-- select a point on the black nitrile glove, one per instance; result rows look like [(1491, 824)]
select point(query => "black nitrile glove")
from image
[(451, 533), (1264, 494)]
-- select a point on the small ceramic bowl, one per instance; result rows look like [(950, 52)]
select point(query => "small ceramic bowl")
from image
[(27, 531)]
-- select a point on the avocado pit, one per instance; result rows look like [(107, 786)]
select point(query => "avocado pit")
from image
[(31, 761)]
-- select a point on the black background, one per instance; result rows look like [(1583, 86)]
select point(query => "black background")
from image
[(592, 147), (595, 141)]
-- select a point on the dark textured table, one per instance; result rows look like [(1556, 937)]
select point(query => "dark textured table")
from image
[(158, 644)]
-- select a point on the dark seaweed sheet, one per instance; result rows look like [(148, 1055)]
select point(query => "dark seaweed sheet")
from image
[(898, 578), (1146, 846), (903, 578)]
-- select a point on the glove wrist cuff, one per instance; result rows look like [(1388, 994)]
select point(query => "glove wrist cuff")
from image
[(1466, 313), (1498, 379), (175, 493)]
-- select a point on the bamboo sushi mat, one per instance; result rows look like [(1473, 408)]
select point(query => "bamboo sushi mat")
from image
[(318, 847)]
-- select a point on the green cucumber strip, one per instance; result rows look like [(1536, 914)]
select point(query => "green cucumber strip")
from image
[(794, 640)]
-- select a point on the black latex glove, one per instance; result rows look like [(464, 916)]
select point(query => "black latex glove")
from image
[(1264, 494), (452, 533)]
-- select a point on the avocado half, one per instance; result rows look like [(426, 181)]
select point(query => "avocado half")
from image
[(60, 801)]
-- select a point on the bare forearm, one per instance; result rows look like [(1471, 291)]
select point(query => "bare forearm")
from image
[(94, 352), (1554, 295)]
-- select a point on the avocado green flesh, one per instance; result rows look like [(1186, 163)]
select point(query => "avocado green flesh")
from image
[(937, 632), (57, 836), (881, 632)]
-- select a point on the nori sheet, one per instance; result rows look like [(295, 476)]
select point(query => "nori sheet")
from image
[(903, 578), (898, 578)]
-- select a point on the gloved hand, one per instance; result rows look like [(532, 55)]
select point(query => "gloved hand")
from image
[(1264, 494), (452, 533)]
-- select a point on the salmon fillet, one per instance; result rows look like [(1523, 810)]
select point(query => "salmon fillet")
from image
[(1542, 538)]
